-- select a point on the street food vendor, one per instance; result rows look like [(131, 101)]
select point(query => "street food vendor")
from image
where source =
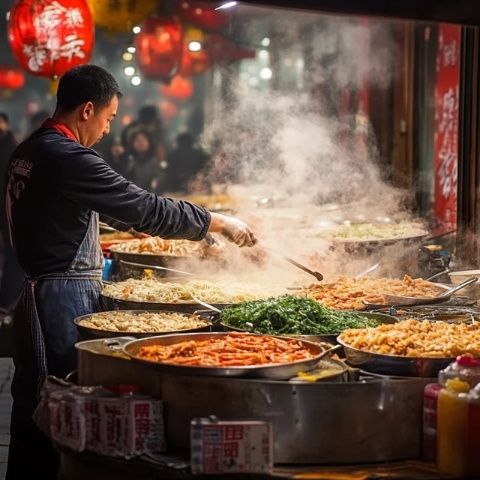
[(56, 188)]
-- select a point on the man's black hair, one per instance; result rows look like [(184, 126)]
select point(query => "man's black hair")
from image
[(86, 83), (4, 117)]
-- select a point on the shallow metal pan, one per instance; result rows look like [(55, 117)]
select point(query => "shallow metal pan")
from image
[(368, 245), (111, 303), (275, 372), (93, 333), (394, 365), (151, 259)]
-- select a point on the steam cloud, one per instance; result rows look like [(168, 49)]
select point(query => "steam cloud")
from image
[(293, 151)]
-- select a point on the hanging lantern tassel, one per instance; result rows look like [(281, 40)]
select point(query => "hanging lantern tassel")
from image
[(54, 85)]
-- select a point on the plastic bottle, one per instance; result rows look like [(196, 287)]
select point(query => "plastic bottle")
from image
[(473, 433), (465, 368), (452, 413), (430, 400)]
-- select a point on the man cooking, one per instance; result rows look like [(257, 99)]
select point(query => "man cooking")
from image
[(56, 188)]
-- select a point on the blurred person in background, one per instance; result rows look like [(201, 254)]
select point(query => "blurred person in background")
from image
[(184, 162), (148, 120), (12, 274), (144, 168), (37, 119)]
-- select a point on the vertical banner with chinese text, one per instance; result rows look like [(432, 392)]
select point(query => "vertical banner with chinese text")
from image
[(446, 127)]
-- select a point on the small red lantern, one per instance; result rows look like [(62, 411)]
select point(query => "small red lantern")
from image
[(49, 37), (180, 88), (159, 48), (202, 14), (11, 78)]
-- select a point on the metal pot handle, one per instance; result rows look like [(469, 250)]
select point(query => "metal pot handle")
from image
[(116, 343)]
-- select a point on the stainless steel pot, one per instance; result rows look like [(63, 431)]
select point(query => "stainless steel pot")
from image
[(322, 422)]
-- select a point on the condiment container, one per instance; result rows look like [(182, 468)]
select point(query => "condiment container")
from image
[(452, 413), (466, 368), (430, 400), (473, 433)]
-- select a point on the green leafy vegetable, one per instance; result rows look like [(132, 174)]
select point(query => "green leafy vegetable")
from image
[(292, 315)]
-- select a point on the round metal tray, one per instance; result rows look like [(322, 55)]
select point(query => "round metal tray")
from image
[(277, 372), (395, 365), (111, 303), (93, 333)]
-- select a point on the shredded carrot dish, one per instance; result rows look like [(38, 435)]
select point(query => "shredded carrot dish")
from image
[(235, 349)]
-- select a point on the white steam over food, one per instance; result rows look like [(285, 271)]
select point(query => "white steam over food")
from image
[(294, 152)]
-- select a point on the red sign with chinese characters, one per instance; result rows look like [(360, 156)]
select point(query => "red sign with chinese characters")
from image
[(446, 127), (49, 37)]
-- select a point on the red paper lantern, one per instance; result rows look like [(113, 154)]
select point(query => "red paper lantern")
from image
[(180, 88), (159, 48), (202, 14), (49, 37), (11, 78)]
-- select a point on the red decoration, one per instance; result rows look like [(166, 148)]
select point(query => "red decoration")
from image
[(49, 37), (11, 78), (446, 126), (180, 88), (202, 14), (223, 50), (159, 48), (194, 63)]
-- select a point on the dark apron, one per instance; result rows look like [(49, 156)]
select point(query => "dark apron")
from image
[(44, 344)]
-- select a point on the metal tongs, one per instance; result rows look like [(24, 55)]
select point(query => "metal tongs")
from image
[(293, 262), (399, 300)]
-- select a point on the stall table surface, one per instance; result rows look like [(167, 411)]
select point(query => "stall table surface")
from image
[(76, 466)]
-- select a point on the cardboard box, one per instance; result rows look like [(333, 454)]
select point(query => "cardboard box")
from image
[(223, 446)]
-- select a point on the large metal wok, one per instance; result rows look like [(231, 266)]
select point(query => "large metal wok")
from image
[(151, 259), (93, 333), (276, 372), (111, 303), (394, 365)]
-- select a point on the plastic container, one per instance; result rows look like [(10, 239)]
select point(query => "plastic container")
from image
[(430, 400), (452, 411), (465, 368), (107, 269), (473, 434)]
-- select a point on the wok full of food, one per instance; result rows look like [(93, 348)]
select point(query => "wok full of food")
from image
[(349, 293), (150, 290), (292, 315), (119, 321), (160, 246), (234, 349), (418, 339)]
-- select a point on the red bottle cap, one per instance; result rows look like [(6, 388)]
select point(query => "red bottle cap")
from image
[(468, 361)]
